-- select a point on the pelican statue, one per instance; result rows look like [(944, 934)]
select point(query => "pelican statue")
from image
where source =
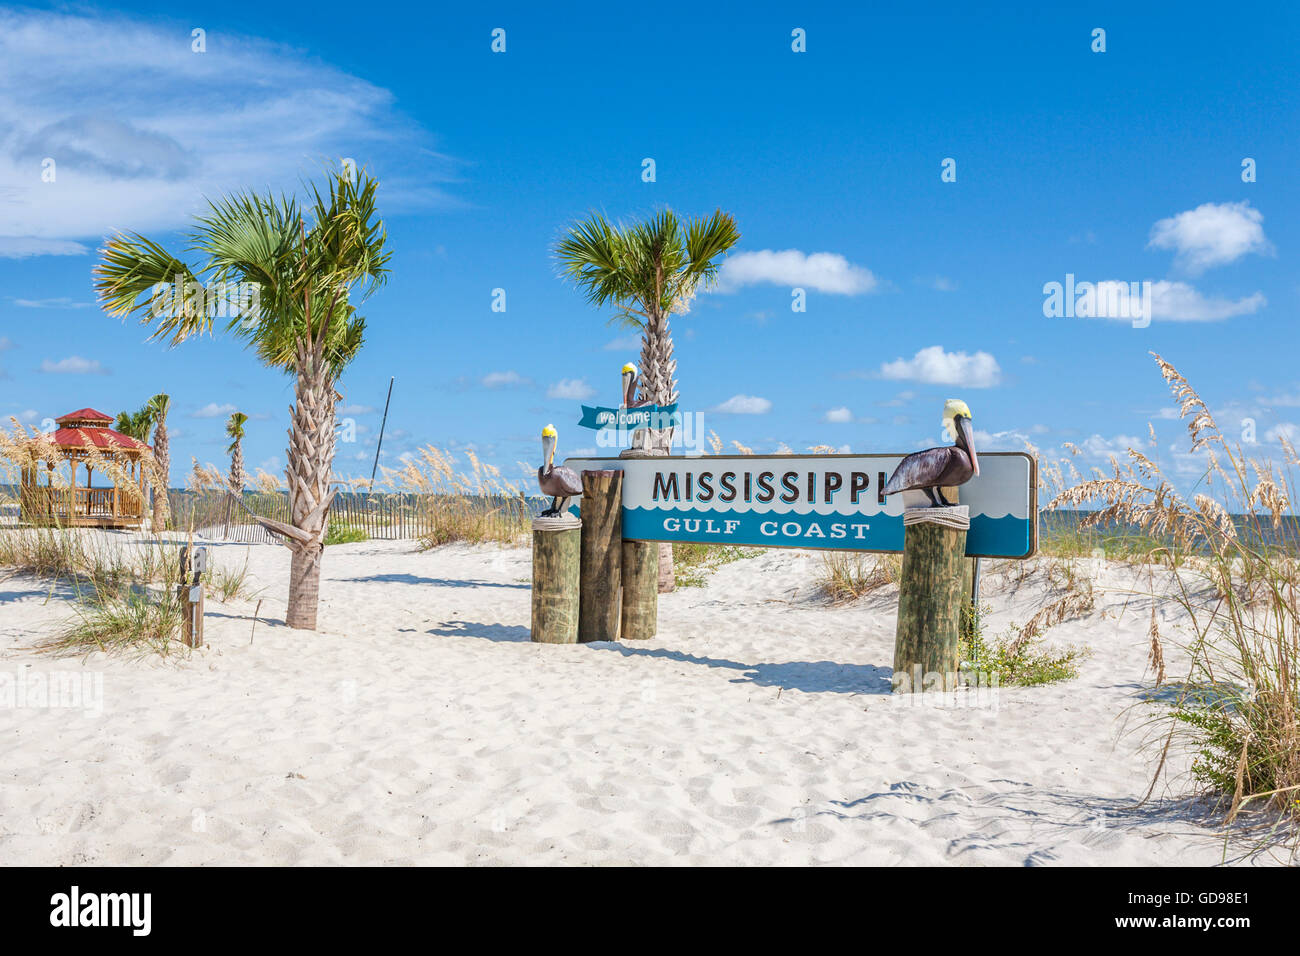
[(630, 376), (934, 469), (560, 483)]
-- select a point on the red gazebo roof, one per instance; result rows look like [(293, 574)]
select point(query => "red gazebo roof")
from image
[(87, 415), (104, 438), (86, 427)]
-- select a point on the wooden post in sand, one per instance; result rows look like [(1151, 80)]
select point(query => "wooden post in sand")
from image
[(602, 556), (930, 599), (194, 561), (640, 617), (556, 549)]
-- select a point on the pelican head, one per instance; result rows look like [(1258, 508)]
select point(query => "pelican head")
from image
[(956, 422), (549, 438), (630, 374)]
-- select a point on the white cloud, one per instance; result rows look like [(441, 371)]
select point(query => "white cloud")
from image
[(1010, 439), (63, 302), (1212, 234), (22, 247), (939, 283), (73, 365), (1170, 301), (213, 410), (823, 271), (838, 416), (509, 379), (1095, 446), (572, 389), (899, 400), (358, 410), (1287, 399), (5, 344), (1288, 430), (934, 366), (140, 128), (743, 405), (1179, 302)]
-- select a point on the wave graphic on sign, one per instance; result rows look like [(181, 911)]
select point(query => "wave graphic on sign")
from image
[(1004, 537)]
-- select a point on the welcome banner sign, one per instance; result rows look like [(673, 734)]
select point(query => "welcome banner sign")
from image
[(630, 419), (832, 502)]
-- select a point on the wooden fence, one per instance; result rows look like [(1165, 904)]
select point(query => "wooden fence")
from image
[(395, 516)]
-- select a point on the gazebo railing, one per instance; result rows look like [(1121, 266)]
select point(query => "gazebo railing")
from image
[(85, 503)]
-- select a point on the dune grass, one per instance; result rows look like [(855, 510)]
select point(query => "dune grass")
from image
[(694, 562), (136, 621), (452, 504), (846, 576), (1231, 549)]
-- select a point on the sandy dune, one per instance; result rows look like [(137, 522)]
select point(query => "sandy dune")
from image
[(421, 726)]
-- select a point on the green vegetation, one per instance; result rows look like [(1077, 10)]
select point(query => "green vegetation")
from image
[(695, 562), (340, 533), (1016, 659)]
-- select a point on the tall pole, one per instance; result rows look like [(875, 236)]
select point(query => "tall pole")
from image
[(375, 469)]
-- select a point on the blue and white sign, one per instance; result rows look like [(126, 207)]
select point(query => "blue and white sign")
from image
[(630, 419), (833, 502)]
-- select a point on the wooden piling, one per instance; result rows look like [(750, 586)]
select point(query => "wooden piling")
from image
[(930, 595), (194, 561), (556, 553), (602, 556), (640, 616)]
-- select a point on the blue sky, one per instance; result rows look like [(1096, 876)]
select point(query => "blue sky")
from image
[(1123, 165)]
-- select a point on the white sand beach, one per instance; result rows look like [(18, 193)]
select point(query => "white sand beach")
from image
[(421, 726)]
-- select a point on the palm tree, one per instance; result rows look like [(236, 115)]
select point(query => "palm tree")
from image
[(648, 271), (302, 321), (158, 407), (235, 432), (135, 425)]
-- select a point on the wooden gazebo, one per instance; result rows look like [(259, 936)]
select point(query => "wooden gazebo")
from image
[(85, 436)]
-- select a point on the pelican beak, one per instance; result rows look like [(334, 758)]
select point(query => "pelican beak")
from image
[(963, 425)]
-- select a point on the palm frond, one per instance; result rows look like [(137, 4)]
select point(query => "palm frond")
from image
[(132, 266), (649, 267)]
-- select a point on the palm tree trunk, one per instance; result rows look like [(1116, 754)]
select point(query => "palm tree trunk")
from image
[(237, 469), (658, 385), (304, 588), (311, 463), (161, 506)]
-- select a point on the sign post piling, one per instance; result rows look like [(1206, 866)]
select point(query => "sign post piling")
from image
[(640, 617), (600, 591), (930, 598), (556, 556)]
